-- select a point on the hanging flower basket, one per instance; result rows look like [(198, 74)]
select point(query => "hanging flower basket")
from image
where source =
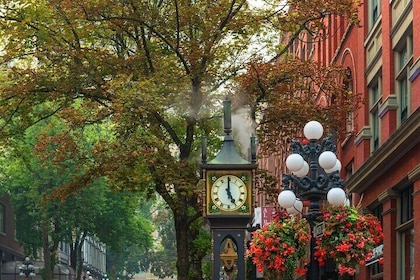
[(280, 247), (349, 238)]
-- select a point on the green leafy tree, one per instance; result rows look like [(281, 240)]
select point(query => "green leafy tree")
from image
[(133, 255), (154, 69), (42, 222), (163, 257), (29, 180)]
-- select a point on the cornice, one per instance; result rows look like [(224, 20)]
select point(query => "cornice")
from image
[(390, 103), (363, 134), (387, 195), (397, 146), (414, 174)]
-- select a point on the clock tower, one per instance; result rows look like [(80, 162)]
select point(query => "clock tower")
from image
[(228, 201)]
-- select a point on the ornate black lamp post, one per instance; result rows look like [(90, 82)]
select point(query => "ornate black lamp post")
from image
[(27, 268), (314, 178)]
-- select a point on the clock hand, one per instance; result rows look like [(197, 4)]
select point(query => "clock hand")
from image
[(229, 194)]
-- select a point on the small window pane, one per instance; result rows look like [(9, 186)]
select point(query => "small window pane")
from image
[(408, 254), (407, 204)]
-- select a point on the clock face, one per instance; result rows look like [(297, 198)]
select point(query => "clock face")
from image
[(228, 193)]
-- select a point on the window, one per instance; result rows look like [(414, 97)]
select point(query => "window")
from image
[(377, 212), (2, 218), (375, 266), (349, 170), (407, 254), (406, 235), (375, 98), (374, 12), (406, 198), (348, 84), (404, 53)]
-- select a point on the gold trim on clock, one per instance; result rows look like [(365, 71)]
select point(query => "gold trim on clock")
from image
[(228, 193)]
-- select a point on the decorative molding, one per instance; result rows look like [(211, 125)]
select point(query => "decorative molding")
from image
[(414, 174), (388, 211), (341, 45), (374, 30), (390, 103), (414, 70), (364, 134), (402, 21), (398, 145), (387, 195)]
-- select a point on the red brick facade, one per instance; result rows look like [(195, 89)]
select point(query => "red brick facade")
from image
[(381, 155), (9, 247)]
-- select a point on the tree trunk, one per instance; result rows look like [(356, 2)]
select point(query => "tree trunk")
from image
[(183, 246), (76, 259), (188, 262), (47, 253), (74, 263)]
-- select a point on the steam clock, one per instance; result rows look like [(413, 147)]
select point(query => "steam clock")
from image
[(228, 202)]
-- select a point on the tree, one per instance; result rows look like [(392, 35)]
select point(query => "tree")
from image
[(163, 256), (153, 69), (44, 223), (40, 223), (132, 256)]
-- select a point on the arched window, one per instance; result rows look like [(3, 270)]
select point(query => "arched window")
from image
[(348, 83)]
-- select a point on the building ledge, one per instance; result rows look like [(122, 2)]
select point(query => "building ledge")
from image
[(390, 103), (414, 70), (364, 134), (393, 149)]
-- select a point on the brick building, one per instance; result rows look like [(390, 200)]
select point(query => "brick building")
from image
[(9, 247), (93, 253), (381, 154)]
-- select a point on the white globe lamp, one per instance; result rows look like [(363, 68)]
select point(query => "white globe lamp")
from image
[(313, 130), (296, 208), (294, 162), (286, 199), (337, 167), (303, 171), (327, 160), (336, 196)]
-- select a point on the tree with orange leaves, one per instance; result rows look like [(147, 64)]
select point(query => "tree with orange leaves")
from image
[(153, 70)]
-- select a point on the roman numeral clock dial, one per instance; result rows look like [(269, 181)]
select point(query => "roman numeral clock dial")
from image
[(228, 193)]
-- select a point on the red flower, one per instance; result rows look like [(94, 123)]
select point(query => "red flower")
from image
[(346, 270), (349, 238), (279, 246), (301, 271), (343, 247)]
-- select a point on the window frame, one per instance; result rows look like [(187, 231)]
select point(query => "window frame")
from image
[(375, 99), (376, 269), (374, 12), (403, 62), (404, 230)]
